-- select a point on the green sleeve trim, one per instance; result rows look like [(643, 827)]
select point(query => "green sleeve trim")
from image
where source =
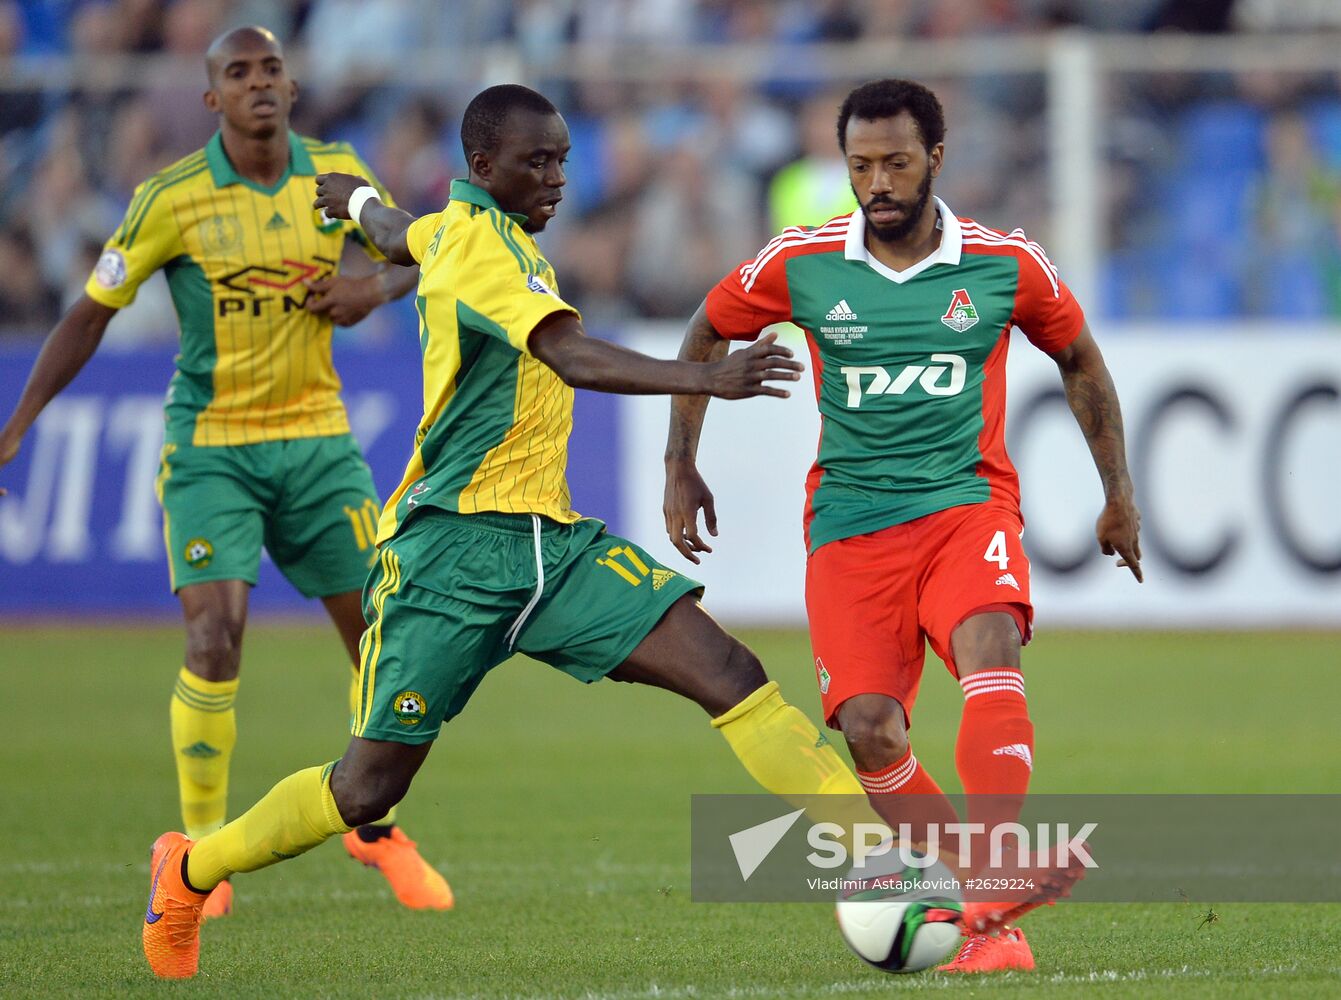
[(144, 213), (523, 258), (154, 184), (495, 221)]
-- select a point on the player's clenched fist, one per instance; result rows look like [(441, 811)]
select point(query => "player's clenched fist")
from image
[(333, 191), (746, 373)]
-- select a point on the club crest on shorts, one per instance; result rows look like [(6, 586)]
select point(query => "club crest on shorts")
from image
[(198, 553), (824, 677), (962, 313), (416, 495), (409, 707)]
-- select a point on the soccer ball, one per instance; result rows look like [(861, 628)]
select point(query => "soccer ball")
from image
[(900, 918)]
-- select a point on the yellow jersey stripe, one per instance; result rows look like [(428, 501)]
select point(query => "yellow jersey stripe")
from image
[(157, 180), (165, 473), (496, 421), (254, 365), (129, 240), (388, 585), (140, 203), (496, 219)]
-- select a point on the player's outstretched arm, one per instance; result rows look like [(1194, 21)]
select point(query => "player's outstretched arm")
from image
[(1094, 401), (67, 348), (589, 363), (384, 226), (686, 492)]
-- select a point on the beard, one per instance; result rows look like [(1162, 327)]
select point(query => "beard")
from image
[(912, 212)]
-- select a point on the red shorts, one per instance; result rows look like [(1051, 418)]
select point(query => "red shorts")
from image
[(873, 599)]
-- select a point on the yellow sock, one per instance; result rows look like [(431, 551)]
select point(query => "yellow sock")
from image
[(204, 731), (293, 817), (786, 754), (390, 818)]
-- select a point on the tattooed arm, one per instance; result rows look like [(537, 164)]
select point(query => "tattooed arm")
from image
[(1093, 400), (686, 492)]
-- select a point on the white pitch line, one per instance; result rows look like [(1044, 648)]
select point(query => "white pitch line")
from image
[(921, 983)]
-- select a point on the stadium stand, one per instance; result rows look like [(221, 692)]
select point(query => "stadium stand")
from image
[(1222, 190)]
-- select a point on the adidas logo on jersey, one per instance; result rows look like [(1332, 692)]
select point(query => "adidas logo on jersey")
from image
[(846, 333), (1020, 750), (277, 221), (661, 577), (842, 311), (1007, 580)]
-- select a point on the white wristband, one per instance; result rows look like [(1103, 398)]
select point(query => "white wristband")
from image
[(361, 197)]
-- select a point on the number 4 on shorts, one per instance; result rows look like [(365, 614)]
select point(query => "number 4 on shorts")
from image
[(996, 551)]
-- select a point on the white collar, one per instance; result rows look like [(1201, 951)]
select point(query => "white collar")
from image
[(952, 242)]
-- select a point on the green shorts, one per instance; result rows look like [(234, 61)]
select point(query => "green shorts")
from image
[(309, 501), (454, 595)]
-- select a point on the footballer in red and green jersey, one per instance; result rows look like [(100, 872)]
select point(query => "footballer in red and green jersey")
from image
[(909, 366)]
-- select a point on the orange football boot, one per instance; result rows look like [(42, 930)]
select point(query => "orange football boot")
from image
[(1048, 883), (219, 903), (992, 953), (171, 934), (414, 881)]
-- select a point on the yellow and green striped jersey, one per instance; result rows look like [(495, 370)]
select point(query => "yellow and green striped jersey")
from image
[(494, 436), (254, 364)]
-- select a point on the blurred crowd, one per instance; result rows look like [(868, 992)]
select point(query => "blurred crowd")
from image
[(1223, 192)]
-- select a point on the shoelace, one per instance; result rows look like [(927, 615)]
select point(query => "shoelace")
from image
[(181, 919), (974, 944)]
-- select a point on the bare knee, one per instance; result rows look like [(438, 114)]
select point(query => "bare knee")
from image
[(214, 642), (875, 730), (986, 640), (373, 776), (744, 674), (364, 796), (736, 675), (692, 655)]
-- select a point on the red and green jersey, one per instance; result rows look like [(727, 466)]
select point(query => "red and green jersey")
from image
[(909, 366)]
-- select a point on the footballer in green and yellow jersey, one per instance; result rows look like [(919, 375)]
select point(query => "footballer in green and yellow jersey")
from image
[(257, 450)]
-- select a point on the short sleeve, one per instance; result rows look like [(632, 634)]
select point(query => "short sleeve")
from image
[(421, 233), (1045, 309), (146, 240), (503, 288), (753, 296)]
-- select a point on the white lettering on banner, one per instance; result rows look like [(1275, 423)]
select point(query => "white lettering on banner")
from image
[(50, 515), (928, 376), (1234, 439), (60, 483), (135, 426)]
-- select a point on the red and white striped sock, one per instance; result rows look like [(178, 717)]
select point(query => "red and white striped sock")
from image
[(995, 750), (905, 792)]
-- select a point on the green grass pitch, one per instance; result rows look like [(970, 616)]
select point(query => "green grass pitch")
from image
[(560, 815)]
